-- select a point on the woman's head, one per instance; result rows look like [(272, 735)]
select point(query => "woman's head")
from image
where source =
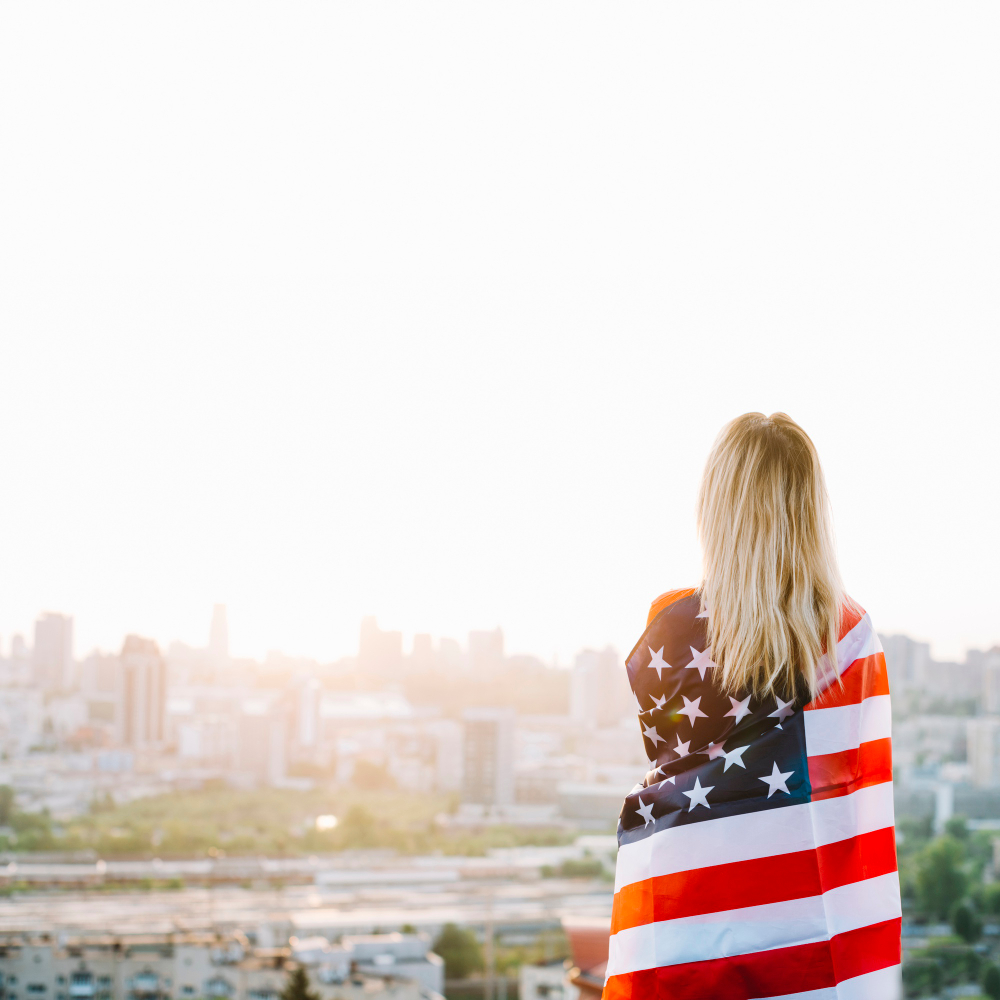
[(771, 585)]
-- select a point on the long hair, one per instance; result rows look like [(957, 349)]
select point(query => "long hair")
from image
[(771, 587)]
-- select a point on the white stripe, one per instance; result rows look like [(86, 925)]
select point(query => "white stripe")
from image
[(883, 984), (846, 727), (861, 641), (753, 835), (792, 922)]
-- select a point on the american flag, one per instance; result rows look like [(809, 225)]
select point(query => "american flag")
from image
[(758, 856)]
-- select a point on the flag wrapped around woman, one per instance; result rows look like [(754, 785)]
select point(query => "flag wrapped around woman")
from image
[(757, 858)]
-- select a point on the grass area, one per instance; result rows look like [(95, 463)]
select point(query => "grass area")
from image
[(221, 821)]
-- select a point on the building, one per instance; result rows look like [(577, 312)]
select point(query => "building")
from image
[(486, 650), (379, 651), (22, 715), (408, 956), (218, 636), (448, 757), (983, 742), (52, 656), (422, 654), (599, 691), (906, 662), (262, 740), (989, 664), (488, 756), (546, 982), (101, 687), (143, 694), (158, 967), (307, 713)]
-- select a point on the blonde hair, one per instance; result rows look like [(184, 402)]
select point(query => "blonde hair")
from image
[(771, 585)]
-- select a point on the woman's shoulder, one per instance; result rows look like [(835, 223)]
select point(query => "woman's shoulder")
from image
[(853, 618), (666, 599)]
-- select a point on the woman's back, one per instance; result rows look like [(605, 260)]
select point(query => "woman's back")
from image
[(757, 858)]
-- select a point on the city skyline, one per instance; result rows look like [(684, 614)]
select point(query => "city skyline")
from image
[(215, 642)]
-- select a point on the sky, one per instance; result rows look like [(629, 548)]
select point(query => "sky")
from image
[(433, 311)]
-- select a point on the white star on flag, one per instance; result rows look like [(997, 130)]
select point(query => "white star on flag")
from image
[(714, 750), (682, 748), (691, 709), (657, 702), (646, 812), (739, 709), (782, 712), (699, 795), (735, 757), (657, 662), (775, 781), (650, 733), (700, 662)]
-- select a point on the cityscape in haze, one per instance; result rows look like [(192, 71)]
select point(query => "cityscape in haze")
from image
[(144, 720), (377, 808)]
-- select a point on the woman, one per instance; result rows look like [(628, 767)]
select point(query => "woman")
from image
[(757, 858)]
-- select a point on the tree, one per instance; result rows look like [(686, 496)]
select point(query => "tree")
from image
[(297, 986), (922, 976), (991, 898), (358, 829), (991, 982), (941, 879), (6, 804), (966, 922), (460, 951), (957, 827)]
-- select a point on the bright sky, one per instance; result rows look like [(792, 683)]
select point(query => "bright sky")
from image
[(433, 311)]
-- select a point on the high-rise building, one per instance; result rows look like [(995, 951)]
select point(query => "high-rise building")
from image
[(144, 693), (422, 656), (52, 656), (101, 688), (18, 647), (218, 636), (486, 649), (449, 653), (379, 651), (307, 714), (448, 756), (988, 663), (261, 740), (488, 756), (983, 748), (906, 662)]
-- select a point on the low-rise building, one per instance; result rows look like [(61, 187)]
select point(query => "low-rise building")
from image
[(178, 966)]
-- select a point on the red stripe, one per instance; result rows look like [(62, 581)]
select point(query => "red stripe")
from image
[(766, 973), (850, 615), (754, 883), (833, 774), (864, 678)]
